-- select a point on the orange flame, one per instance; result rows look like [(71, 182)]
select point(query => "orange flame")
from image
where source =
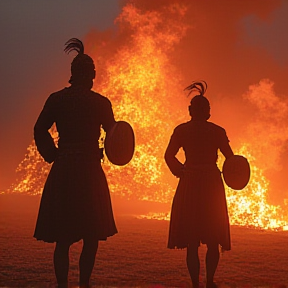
[(143, 86)]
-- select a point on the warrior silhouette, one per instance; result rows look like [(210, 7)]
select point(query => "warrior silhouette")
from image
[(75, 203), (199, 210)]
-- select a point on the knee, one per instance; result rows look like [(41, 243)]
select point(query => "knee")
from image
[(62, 247), (90, 245), (213, 248), (192, 251)]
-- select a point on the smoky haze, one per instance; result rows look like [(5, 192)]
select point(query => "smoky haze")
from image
[(238, 47), (33, 63), (240, 50)]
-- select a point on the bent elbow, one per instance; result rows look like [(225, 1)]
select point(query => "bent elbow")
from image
[(37, 130), (168, 157), (165, 156)]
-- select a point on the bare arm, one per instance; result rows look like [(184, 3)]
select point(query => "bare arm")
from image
[(108, 116), (225, 148), (175, 166), (227, 151), (43, 139)]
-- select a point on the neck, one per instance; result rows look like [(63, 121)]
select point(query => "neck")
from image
[(82, 85), (198, 118)]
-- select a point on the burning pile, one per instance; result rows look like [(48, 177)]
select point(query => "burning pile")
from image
[(143, 86)]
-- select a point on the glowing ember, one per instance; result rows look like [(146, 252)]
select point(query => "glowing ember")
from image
[(143, 86), (249, 206)]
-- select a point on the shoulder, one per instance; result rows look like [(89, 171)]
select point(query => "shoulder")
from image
[(59, 93), (216, 127), (182, 126), (100, 98), (218, 132), (181, 129), (55, 96)]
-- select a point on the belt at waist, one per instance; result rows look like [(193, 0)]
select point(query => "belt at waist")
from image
[(201, 167), (79, 148)]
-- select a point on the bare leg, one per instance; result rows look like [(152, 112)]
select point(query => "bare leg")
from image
[(87, 260), (212, 259), (61, 263), (193, 264)]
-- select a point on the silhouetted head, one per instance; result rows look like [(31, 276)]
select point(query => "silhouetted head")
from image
[(82, 67), (199, 108)]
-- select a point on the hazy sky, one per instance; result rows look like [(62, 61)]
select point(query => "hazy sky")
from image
[(33, 33), (234, 43)]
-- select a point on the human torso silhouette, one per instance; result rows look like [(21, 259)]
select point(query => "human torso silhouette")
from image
[(199, 212), (199, 209), (200, 141), (78, 115), (76, 200)]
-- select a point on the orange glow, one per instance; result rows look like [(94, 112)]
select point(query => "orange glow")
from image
[(143, 85), (248, 207)]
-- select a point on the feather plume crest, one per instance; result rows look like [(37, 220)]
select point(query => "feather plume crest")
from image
[(74, 44), (199, 86)]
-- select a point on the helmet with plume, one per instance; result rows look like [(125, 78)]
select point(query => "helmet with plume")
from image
[(82, 66), (199, 105)]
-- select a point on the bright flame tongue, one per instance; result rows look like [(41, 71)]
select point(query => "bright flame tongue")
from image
[(249, 206), (143, 87)]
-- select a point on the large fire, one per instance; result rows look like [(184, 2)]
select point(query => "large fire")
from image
[(143, 85)]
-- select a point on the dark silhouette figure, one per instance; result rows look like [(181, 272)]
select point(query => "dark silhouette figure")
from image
[(199, 210), (75, 203)]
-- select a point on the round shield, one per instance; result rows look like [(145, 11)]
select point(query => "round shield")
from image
[(236, 172), (120, 143)]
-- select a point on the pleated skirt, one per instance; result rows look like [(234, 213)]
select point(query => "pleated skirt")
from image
[(199, 210), (76, 202)]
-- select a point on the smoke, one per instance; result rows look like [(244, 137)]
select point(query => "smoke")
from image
[(267, 134), (192, 40), (268, 130), (33, 64), (221, 46), (269, 34), (155, 50)]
